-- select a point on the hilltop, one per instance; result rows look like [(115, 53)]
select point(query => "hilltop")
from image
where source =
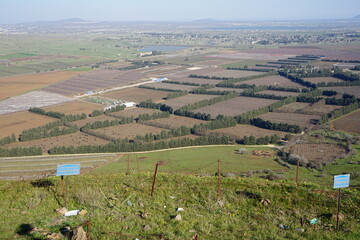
[(119, 207)]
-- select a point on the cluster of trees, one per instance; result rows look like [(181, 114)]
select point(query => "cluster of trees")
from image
[(262, 95), (118, 108), (125, 146), (44, 132), (219, 122), (140, 64), (96, 113), (347, 76), (176, 94), (159, 106), (286, 89), (211, 92), (7, 140), (346, 99), (176, 132), (49, 114), (181, 83), (339, 112), (284, 127), (208, 77), (17, 152), (251, 140), (245, 68), (329, 93), (159, 89), (156, 115), (107, 123), (338, 60), (307, 99)]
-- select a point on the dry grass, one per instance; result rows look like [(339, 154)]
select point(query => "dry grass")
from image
[(17, 122)]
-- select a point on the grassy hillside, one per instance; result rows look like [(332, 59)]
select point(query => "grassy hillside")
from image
[(119, 207)]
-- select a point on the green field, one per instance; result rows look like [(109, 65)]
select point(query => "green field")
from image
[(199, 160), (119, 207)]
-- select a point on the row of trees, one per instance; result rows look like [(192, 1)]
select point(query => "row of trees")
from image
[(298, 80), (107, 123), (40, 132), (7, 140), (156, 115), (159, 106), (176, 95), (245, 68), (219, 122), (284, 127), (262, 95), (181, 83), (252, 140), (49, 114), (117, 108), (125, 146), (159, 89), (17, 152), (346, 99), (176, 132)]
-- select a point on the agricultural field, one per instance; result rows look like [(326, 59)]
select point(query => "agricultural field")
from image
[(302, 120), (75, 139), (273, 81), (353, 90), (15, 85), (239, 90), (319, 153), (235, 73), (349, 123), (240, 131), (128, 131), (36, 167), (195, 71), (317, 80), (179, 102), (173, 122), (254, 54), (279, 93), (172, 86), (95, 80), (214, 62), (76, 107), (235, 106), (307, 108), (133, 112), (31, 99), (195, 160), (136, 95), (101, 118), (15, 123)]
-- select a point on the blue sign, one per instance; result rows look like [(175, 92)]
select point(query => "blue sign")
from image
[(341, 181), (68, 169)]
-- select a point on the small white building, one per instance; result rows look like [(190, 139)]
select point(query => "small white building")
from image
[(129, 104)]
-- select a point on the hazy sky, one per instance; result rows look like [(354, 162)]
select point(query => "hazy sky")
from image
[(16, 11)]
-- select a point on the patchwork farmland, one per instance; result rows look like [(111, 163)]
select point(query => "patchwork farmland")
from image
[(136, 95), (187, 99), (349, 123), (302, 120)]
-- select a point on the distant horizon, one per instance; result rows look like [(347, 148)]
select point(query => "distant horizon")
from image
[(21, 11)]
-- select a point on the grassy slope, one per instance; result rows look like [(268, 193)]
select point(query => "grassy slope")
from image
[(198, 160), (242, 216)]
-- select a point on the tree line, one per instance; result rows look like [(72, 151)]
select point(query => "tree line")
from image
[(339, 112), (160, 89), (176, 95), (7, 140), (19, 151), (108, 123), (176, 132), (156, 115)]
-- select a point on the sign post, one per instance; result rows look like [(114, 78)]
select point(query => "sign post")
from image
[(340, 181), (66, 170)]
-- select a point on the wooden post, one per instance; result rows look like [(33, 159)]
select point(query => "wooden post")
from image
[(219, 187), (128, 166), (297, 173), (338, 210), (154, 177), (64, 189)]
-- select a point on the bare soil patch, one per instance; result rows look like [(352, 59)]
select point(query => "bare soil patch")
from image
[(292, 118), (136, 95), (177, 103), (235, 106), (349, 123), (307, 108), (128, 130), (172, 86), (76, 107), (12, 86), (101, 118), (174, 122), (236, 73), (273, 81), (240, 131), (319, 153)]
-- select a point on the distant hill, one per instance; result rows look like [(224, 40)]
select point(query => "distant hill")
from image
[(357, 18)]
